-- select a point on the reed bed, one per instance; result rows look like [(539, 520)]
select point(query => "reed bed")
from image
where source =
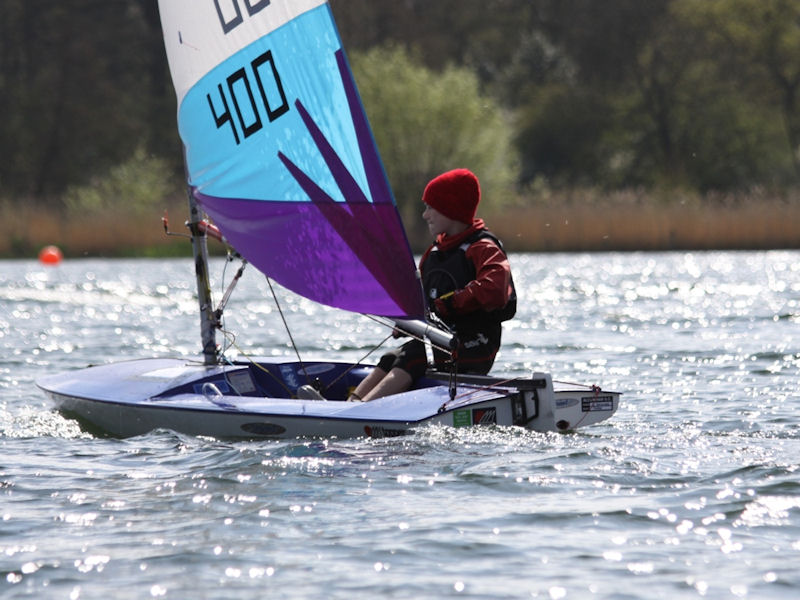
[(26, 228), (617, 224), (571, 223)]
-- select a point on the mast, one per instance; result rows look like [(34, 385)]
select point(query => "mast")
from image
[(208, 320)]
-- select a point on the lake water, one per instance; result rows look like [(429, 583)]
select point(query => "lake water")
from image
[(692, 490)]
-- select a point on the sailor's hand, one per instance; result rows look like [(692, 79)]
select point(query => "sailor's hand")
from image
[(443, 306), (398, 333)]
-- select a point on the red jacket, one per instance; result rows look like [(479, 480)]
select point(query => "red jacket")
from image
[(491, 288)]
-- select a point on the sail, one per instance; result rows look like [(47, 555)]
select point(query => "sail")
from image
[(279, 152)]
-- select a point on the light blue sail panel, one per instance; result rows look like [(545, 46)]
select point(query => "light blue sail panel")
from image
[(280, 155)]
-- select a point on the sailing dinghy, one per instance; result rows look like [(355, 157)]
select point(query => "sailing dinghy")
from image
[(280, 158)]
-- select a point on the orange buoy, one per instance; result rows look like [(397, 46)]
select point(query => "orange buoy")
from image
[(50, 255)]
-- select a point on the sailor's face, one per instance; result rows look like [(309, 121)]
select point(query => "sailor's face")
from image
[(437, 222)]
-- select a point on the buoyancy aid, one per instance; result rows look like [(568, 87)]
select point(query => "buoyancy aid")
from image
[(446, 271)]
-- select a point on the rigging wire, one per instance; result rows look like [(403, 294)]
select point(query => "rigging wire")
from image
[(230, 337), (297, 351), (358, 362), (260, 367), (288, 331), (221, 316)]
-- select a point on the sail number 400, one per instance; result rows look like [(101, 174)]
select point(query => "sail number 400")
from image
[(239, 90)]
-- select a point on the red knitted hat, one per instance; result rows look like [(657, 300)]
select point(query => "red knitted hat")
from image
[(455, 194)]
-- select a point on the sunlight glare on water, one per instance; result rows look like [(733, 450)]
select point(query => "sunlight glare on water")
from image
[(690, 491)]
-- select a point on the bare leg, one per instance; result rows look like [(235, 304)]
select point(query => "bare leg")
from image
[(366, 385), (397, 380)]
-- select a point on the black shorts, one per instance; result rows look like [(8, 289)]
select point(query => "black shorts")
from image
[(476, 352), (410, 357)]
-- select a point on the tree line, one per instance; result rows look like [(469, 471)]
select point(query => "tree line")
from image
[(700, 95)]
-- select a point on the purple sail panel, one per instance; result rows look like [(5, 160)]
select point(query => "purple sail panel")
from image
[(280, 155), (378, 183), (299, 245)]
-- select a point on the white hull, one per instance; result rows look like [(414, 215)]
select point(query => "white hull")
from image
[(249, 400)]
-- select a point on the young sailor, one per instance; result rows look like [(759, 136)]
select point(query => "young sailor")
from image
[(467, 282)]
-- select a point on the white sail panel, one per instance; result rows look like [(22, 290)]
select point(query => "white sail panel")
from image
[(200, 34)]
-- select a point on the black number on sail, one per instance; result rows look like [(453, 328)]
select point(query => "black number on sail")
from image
[(230, 15), (225, 116), (240, 91), (254, 7), (240, 78), (275, 91)]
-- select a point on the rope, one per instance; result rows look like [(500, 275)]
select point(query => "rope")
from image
[(592, 386), (358, 363), (288, 331), (230, 337), (232, 342), (498, 385)]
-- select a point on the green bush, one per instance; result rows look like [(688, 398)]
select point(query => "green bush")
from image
[(427, 122), (136, 187)]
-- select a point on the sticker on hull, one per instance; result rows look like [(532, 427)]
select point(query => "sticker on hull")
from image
[(597, 403), (377, 431), (476, 416)]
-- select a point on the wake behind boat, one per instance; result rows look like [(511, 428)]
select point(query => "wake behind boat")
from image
[(279, 155)]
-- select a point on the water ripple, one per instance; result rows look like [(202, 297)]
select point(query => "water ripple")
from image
[(690, 491)]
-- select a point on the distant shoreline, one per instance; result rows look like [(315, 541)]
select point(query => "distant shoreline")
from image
[(614, 227), (554, 227)]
